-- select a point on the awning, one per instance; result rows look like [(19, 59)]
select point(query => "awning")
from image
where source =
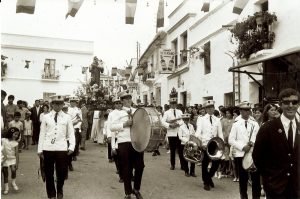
[(264, 58)]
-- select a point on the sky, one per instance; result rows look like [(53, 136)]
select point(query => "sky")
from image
[(101, 21)]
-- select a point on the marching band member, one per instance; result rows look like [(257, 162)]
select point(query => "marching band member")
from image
[(172, 120), (208, 126), (56, 130), (242, 137), (277, 147), (76, 117), (184, 132), (129, 157)]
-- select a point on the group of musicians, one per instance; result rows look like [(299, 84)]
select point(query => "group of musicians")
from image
[(275, 146)]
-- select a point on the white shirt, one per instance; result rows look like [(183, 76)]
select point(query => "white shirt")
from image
[(169, 115), (206, 130), (286, 125), (75, 114), (111, 115), (54, 136), (122, 133), (239, 136), (184, 132)]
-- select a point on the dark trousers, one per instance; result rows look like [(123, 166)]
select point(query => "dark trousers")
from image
[(77, 142), (174, 143), (5, 173), (243, 181), (129, 159), (109, 151), (288, 193), (117, 160), (89, 129), (207, 175), (36, 133), (185, 163), (59, 158)]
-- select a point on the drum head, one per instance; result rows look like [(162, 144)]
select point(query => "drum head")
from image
[(247, 162), (140, 130)]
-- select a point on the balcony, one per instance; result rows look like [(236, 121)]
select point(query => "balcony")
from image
[(150, 78), (50, 75)]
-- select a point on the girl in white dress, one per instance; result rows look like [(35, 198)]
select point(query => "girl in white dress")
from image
[(27, 129), (11, 157)]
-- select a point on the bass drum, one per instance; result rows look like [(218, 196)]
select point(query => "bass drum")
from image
[(146, 130), (247, 162)]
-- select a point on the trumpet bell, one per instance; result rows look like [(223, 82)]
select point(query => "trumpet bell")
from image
[(215, 148), (192, 150)]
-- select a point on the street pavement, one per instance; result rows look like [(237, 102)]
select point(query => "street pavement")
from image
[(95, 178)]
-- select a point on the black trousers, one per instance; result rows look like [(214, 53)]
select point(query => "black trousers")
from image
[(243, 181), (207, 175), (117, 161), (59, 159), (109, 151), (36, 133), (185, 164), (77, 142), (174, 143), (129, 159), (288, 193)]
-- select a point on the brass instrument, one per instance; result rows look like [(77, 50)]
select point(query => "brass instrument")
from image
[(192, 151), (215, 148)]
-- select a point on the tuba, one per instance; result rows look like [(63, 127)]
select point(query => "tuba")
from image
[(192, 150), (215, 148)]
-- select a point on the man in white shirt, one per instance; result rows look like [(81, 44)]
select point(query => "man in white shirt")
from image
[(129, 157), (208, 127), (56, 130), (171, 120), (277, 149), (242, 137)]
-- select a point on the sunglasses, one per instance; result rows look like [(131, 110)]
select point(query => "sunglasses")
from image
[(288, 102)]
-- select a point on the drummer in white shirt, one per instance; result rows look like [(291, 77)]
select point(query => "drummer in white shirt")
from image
[(129, 157), (208, 127), (242, 137), (171, 121)]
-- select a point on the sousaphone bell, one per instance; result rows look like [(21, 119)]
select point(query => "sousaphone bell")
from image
[(215, 148)]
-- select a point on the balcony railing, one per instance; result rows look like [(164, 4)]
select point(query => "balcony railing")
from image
[(50, 74)]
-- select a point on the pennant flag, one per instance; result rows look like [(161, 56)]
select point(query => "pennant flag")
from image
[(74, 6), (25, 6), (27, 64), (205, 6), (160, 14), (239, 5), (130, 11)]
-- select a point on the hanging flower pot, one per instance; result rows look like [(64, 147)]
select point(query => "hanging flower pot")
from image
[(113, 71), (140, 71)]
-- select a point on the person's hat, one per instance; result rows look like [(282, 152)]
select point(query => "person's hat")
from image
[(74, 99), (244, 105), (65, 106), (208, 103), (57, 98), (124, 93), (173, 96), (186, 116), (116, 99)]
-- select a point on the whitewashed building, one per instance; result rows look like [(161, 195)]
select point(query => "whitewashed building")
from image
[(38, 67)]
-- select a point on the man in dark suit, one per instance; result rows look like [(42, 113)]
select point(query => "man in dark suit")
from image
[(35, 117), (277, 150)]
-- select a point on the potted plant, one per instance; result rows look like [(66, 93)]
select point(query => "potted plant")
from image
[(253, 34)]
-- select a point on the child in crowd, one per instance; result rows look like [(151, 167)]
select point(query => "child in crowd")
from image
[(27, 129), (184, 132), (107, 137), (11, 157), (19, 125)]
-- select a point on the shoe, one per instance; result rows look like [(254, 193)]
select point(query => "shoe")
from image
[(60, 196), (15, 187), (154, 154), (235, 180), (5, 192), (157, 152), (71, 167), (172, 168), (193, 175), (74, 158), (121, 180), (206, 187), (110, 160), (127, 197), (137, 194), (168, 151), (82, 148), (187, 174), (211, 183)]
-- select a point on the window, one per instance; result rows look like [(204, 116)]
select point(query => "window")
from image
[(228, 99), (207, 67), (183, 51), (46, 96), (175, 48), (49, 69)]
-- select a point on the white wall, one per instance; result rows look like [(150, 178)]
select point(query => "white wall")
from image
[(27, 84)]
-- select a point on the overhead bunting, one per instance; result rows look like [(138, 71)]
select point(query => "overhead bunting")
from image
[(130, 11), (25, 6), (74, 6), (239, 5), (160, 14), (205, 6)]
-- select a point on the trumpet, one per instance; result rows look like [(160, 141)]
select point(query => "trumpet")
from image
[(215, 148)]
